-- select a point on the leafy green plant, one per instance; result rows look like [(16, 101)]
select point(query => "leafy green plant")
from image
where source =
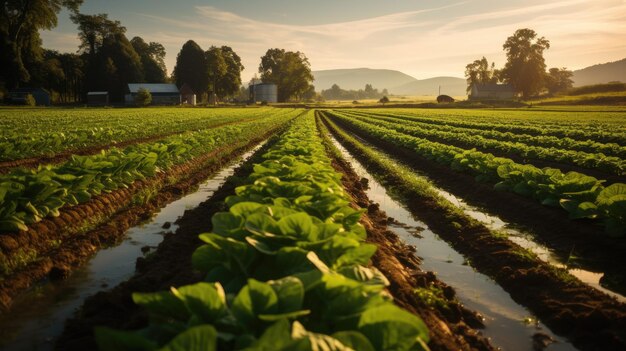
[(285, 270)]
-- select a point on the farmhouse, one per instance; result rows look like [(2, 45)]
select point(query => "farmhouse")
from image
[(18, 96), (263, 92), (162, 94), (492, 91)]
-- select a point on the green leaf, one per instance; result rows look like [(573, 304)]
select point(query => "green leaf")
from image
[(356, 256), (205, 300), (12, 225), (254, 299), (354, 340), (261, 223), (243, 209), (389, 327), (297, 225), (225, 222), (274, 338), (163, 304), (290, 293), (200, 338)]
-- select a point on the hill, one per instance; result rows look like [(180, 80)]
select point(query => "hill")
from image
[(395, 82), (356, 78), (602, 73)]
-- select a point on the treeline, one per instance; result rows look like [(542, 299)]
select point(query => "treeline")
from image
[(336, 93), (525, 68), (105, 60)]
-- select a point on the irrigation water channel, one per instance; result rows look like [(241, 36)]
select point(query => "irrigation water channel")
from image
[(38, 317), (509, 325)]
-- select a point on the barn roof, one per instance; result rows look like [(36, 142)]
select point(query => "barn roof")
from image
[(495, 88), (153, 87)]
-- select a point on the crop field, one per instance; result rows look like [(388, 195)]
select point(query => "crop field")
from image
[(319, 238)]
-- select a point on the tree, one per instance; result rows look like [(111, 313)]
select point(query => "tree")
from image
[(152, 60), (480, 72), (525, 67), (559, 80), (20, 22), (143, 97), (290, 71), (217, 68), (128, 68), (192, 68), (110, 60), (230, 82), (383, 100)]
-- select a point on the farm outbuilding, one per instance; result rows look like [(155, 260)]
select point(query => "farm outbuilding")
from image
[(162, 94), (97, 98), (187, 94), (263, 92), (18, 96), (492, 91)]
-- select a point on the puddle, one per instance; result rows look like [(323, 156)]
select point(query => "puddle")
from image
[(509, 325), (38, 317)]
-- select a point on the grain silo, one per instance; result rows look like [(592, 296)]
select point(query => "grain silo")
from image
[(263, 92)]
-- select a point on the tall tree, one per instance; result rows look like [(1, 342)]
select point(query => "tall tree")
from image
[(93, 31), (111, 60), (191, 68), (480, 72), (152, 59), (559, 80), (20, 22), (217, 68), (230, 82), (525, 67), (290, 71), (127, 63)]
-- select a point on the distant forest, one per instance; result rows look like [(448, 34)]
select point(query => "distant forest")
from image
[(336, 93)]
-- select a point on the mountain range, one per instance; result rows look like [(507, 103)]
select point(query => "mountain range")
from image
[(400, 83)]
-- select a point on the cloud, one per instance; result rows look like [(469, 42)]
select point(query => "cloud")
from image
[(423, 42)]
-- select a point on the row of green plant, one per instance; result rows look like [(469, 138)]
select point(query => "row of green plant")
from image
[(580, 195), (582, 127), (547, 141), (597, 161), (32, 134), (285, 270), (29, 195)]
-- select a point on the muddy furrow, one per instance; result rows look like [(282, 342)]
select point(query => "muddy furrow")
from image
[(551, 226), (84, 229), (590, 319)]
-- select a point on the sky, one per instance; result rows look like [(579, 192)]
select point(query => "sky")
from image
[(422, 38)]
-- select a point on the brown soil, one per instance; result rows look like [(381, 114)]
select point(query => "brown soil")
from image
[(110, 214), (5, 166), (551, 226), (589, 318)]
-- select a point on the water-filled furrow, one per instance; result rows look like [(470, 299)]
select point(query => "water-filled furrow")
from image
[(525, 240), (509, 325), (38, 317)]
